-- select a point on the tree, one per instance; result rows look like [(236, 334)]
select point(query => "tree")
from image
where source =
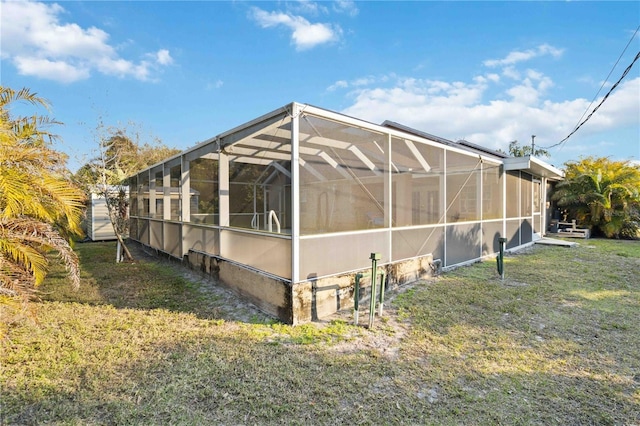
[(515, 150), (40, 208), (120, 155), (602, 194)]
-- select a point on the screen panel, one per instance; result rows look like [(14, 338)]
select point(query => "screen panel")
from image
[(418, 183), (261, 251), (462, 243), (156, 234), (513, 233), (492, 191), (414, 242), (143, 194), (158, 188), (202, 238), (491, 233), (173, 239), (342, 177), (203, 179), (463, 176), (175, 191), (513, 189), (526, 193), (260, 176), (143, 231), (334, 254), (526, 231)]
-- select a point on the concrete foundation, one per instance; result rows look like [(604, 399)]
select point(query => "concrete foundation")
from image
[(307, 301), (269, 294)]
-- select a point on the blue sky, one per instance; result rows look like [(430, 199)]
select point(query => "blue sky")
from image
[(488, 72)]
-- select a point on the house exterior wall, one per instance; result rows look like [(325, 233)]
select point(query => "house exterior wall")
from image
[(301, 197)]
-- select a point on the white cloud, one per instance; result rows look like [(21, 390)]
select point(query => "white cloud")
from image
[(524, 94), (528, 92), (347, 7), (519, 56), (216, 85), (36, 41), (163, 57), (360, 82), (304, 34), (340, 84), (511, 73), (54, 70), (364, 81), (619, 108), (494, 78), (306, 7), (457, 110)]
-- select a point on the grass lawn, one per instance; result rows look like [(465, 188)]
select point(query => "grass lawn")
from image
[(558, 342)]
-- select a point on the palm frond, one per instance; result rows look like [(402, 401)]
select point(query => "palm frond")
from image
[(26, 241), (37, 198), (8, 95)]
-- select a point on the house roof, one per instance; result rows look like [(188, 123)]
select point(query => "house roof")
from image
[(397, 126), (482, 149)]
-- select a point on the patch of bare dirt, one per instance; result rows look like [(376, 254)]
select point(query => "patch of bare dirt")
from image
[(228, 305)]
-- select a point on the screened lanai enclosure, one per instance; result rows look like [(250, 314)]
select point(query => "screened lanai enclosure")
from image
[(287, 208)]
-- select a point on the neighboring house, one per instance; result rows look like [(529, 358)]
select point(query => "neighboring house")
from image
[(287, 208), (97, 223)]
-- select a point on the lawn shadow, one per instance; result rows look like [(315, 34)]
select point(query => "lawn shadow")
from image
[(151, 281)]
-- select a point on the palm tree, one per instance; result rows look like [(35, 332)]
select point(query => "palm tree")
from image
[(39, 206), (602, 194)]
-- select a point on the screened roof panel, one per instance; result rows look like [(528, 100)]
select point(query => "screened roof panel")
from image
[(415, 157)]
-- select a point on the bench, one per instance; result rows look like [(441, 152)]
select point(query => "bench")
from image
[(569, 229)]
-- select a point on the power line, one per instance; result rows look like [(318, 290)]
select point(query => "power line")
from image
[(624, 74), (608, 75), (580, 122)]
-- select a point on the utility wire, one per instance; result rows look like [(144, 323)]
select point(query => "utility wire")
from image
[(624, 74), (580, 123), (608, 75)]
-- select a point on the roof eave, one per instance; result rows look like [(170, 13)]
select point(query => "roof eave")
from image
[(533, 166)]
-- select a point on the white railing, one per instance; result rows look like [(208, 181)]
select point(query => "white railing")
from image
[(273, 217)]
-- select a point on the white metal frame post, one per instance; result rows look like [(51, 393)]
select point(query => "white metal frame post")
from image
[(223, 188), (445, 210), (296, 110), (543, 207), (185, 199), (480, 204), (389, 196), (536, 180), (185, 191), (152, 194), (504, 201), (166, 186)]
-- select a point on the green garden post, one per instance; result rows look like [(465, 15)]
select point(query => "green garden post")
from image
[(372, 303), (500, 258), (356, 298), (383, 280)]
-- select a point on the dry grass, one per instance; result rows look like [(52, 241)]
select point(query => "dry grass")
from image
[(556, 343)]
